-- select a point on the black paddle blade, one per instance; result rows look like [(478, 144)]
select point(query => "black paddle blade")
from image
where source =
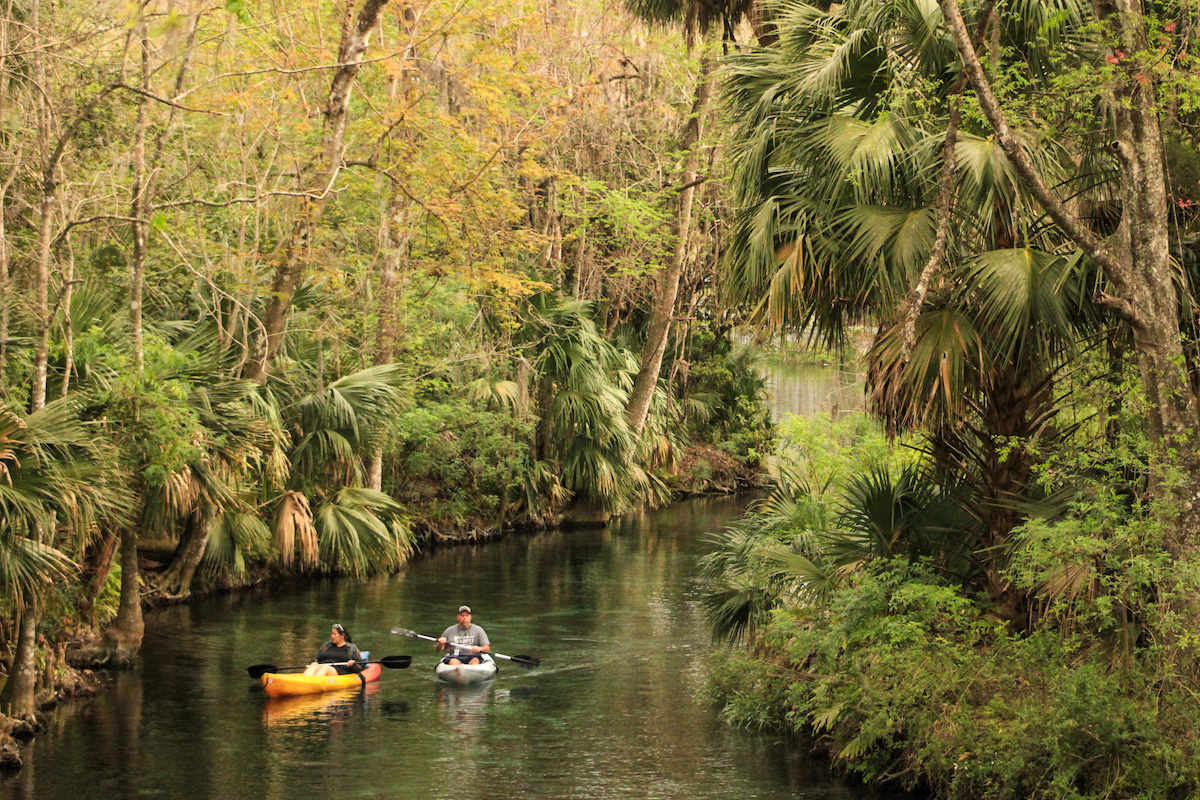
[(258, 670), (525, 662), (405, 632), (396, 662)]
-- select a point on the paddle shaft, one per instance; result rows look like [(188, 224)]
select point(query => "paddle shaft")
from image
[(521, 661), (391, 662)]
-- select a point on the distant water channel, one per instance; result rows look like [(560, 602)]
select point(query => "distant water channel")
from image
[(812, 388), (614, 712)]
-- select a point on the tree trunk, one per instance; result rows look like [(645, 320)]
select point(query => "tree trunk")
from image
[(1136, 261), (176, 580), (392, 275), (97, 562), (41, 281), (137, 207), (668, 287), (68, 327), (123, 638), (1146, 262), (356, 35), (17, 699), (41, 291), (578, 288), (6, 46), (5, 294), (916, 298), (392, 278)]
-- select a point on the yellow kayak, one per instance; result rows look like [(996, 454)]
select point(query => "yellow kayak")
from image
[(282, 685)]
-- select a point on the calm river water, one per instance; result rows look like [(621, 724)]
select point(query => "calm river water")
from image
[(811, 388), (613, 712)]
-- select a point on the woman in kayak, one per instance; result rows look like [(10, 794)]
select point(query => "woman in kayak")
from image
[(339, 649)]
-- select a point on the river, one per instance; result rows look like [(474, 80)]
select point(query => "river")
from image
[(613, 712), (807, 389)]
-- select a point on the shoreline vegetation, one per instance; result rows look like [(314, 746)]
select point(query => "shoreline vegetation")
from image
[(858, 619)]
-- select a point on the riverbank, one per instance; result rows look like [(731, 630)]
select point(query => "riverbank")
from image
[(902, 683), (861, 588)]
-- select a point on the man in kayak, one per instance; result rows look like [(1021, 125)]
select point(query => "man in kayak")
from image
[(338, 656), (471, 640)]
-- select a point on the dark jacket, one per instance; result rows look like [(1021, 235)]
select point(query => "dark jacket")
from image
[(331, 653)]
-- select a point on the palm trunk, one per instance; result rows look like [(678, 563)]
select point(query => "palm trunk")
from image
[(97, 562), (123, 638), (17, 699), (543, 440), (176, 580), (668, 287)]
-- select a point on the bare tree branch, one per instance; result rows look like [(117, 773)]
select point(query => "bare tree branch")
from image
[(167, 102), (938, 253)]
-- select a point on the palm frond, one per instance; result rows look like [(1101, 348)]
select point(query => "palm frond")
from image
[(362, 531)]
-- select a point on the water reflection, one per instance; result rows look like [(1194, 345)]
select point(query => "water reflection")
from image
[(811, 389), (327, 708), (465, 707)]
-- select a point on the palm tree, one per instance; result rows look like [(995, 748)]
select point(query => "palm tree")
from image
[(60, 485), (803, 543), (332, 429), (208, 502), (767, 557), (839, 163), (582, 386)]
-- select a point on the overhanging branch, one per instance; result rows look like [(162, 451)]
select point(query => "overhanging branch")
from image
[(1071, 225)]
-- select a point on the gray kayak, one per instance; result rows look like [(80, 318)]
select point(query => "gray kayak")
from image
[(464, 674)]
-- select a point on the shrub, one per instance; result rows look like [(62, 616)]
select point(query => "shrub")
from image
[(905, 679)]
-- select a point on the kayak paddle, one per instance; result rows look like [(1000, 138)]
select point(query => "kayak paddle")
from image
[(391, 662), (524, 662)]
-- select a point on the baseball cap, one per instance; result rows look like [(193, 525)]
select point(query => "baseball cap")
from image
[(464, 608)]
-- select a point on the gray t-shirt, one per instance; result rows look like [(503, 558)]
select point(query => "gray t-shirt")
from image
[(472, 636)]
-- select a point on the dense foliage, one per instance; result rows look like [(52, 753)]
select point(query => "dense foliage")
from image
[(290, 290), (1004, 606)]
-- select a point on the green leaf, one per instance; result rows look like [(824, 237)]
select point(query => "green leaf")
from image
[(239, 9)]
